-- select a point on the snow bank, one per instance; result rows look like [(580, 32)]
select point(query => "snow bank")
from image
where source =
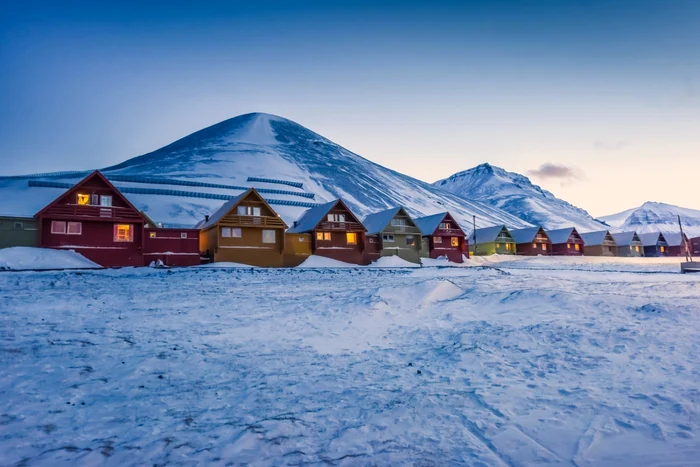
[(393, 262), (223, 265), (315, 261), (600, 263), (27, 258), (443, 262)]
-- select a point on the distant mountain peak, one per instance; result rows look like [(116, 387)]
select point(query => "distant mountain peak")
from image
[(655, 216)]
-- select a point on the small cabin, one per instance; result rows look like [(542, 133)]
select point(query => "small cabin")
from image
[(532, 241), (96, 220), (334, 232), (18, 231), (495, 240), (243, 230), (392, 232), (566, 242), (654, 244), (600, 243), (676, 244), (628, 244), (442, 237)]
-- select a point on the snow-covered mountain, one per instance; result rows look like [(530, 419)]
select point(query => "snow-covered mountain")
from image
[(656, 217), (291, 166), (517, 195)]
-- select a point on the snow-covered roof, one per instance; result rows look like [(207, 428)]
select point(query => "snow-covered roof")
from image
[(375, 223), (560, 235), (673, 238), (429, 224), (487, 234), (310, 219), (594, 238), (221, 212), (651, 238), (525, 235), (624, 238)]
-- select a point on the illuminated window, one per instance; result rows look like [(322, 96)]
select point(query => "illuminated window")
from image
[(507, 246), (578, 247), (351, 238), (83, 199), (454, 241), (123, 233), (437, 239), (248, 211), (568, 245), (663, 249), (326, 236), (410, 240), (388, 238), (58, 227), (544, 247), (106, 200), (637, 248), (152, 235), (268, 236), (74, 228), (534, 245)]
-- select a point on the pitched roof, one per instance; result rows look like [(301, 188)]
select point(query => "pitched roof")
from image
[(487, 234), (594, 238), (624, 238), (429, 224), (375, 223), (312, 217), (221, 212), (650, 239), (673, 239), (527, 235), (560, 235)]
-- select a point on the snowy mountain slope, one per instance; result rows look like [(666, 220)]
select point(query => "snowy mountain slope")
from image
[(656, 217), (516, 194), (268, 147)]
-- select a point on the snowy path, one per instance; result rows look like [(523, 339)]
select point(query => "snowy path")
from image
[(468, 366)]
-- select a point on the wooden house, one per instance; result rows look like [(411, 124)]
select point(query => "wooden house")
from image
[(244, 230), (171, 246), (676, 244), (96, 220), (600, 243), (442, 237), (654, 244), (532, 241), (392, 232), (18, 231), (335, 232), (628, 244), (695, 246), (566, 242), (495, 240)]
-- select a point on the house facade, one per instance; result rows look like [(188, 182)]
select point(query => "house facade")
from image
[(695, 246), (96, 220), (676, 244), (532, 241), (334, 231), (392, 232), (18, 231), (171, 246), (654, 244), (244, 230), (442, 237), (628, 244), (566, 242), (599, 243), (495, 240)]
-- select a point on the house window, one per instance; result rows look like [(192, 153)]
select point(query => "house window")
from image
[(637, 248), (106, 200), (123, 233), (94, 200), (183, 234), (578, 247), (74, 228), (248, 211), (351, 238), (336, 217), (301, 239), (663, 249), (19, 225), (58, 227), (398, 222), (388, 238), (268, 236), (507, 246), (226, 232), (152, 235), (437, 239), (410, 240), (568, 245), (454, 241), (83, 199), (323, 236), (445, 226), (372, 239), (544, 247), (534, 245)]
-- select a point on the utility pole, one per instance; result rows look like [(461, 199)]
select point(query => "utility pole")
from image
[(688, 255)]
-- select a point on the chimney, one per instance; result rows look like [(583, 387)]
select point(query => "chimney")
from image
[(206, 218), (295, 223)]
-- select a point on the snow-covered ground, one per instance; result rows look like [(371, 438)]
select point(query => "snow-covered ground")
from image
[(28, 258), (508, 364)]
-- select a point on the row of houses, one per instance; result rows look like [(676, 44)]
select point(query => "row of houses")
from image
[(95, 219)]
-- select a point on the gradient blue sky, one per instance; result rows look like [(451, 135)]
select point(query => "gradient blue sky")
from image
[(609, 89)]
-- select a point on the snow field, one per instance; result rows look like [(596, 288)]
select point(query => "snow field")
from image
[(429, 366)]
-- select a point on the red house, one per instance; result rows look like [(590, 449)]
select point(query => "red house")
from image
[(566, 242), (442, 236), (335, 232), (96, 220), (171, 246), (695, 246)]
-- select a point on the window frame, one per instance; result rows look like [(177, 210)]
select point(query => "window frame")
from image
[(410, 240), (129, 229), (274, 236), (18, 226), (103, 198), (57, 223), (82, 196), (437, 240), (348, 236), (454, 242), (80, 228), (321, 236), (388, 238)]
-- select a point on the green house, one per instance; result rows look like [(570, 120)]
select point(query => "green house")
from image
[(495, 240), (18, 231)]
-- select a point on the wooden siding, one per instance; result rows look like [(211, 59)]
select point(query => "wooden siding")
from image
[(18, 231), (635, 250), (601, 250), (373, 249), (569, 247), (444, 246), (174, 247), (392, 241), (695, 246), (297, 248), (338, 247)]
